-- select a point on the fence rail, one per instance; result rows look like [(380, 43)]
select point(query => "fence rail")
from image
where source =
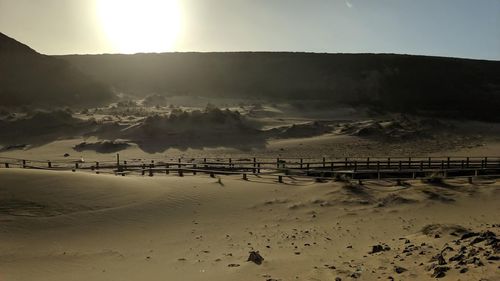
[(348, 168)]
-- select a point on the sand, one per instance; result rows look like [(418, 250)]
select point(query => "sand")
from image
[(79, 226)]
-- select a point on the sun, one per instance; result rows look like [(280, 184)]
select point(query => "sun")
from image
[(134, 26)]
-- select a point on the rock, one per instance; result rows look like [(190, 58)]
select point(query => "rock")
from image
[(66, 154), (464, 270), (338, 279), (233, 265), (477, 240), (255, 257), (469, 235), (379, 248), (399, 269), (355, 275), (441, 260), (493, 258), (457, 257), (440, 271), (477, 261)]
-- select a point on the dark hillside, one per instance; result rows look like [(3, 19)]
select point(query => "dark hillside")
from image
[(30, 78), (438, 85)]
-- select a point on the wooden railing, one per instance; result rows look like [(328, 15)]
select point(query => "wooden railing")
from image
[(353, 168)]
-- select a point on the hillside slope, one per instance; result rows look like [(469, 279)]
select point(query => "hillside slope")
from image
[(446, 86), (30, 78)]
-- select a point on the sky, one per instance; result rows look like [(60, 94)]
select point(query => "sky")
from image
[(453, 28)]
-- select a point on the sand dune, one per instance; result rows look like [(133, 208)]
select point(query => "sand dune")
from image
[(77, 226)]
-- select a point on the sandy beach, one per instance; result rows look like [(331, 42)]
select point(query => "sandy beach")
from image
[(79, 226)]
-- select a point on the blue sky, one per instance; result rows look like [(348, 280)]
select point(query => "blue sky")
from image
[(455, 28)]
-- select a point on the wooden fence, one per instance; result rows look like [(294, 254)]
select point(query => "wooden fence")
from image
[(347, 168)]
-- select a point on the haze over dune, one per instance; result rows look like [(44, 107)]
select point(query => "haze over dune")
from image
[(30, 78), (442, 86)]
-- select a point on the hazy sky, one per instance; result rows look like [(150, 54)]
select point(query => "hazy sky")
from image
[(459, 28)]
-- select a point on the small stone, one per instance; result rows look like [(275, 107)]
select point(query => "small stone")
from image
[(255, 257), (399, 269), (355, 275), (441, 260), (469, 235), (440, 271), (379, 248)]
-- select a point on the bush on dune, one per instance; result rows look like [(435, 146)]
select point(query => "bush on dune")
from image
[(212, 120)]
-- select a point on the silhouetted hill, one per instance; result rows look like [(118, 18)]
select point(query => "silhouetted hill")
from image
[(449, 86), (30, 78)]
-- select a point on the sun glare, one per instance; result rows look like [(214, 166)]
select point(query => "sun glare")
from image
[(134, 26)]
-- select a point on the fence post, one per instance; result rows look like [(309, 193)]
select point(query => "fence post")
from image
[(194, 169), (151, 169), (448, 163), (400, 165), (429, 163), (467, 162), (245, 177), (368, 163), (280, 179), (124, 165), (389, 163), (6, 165), (167, 167), (118, 162), (143, 169), (277, 162), (355, 165), (49, 164), (24, 163), (409, 163), (97, 165), (301, 163), (486, 162), (254, 165), (324, 162)]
